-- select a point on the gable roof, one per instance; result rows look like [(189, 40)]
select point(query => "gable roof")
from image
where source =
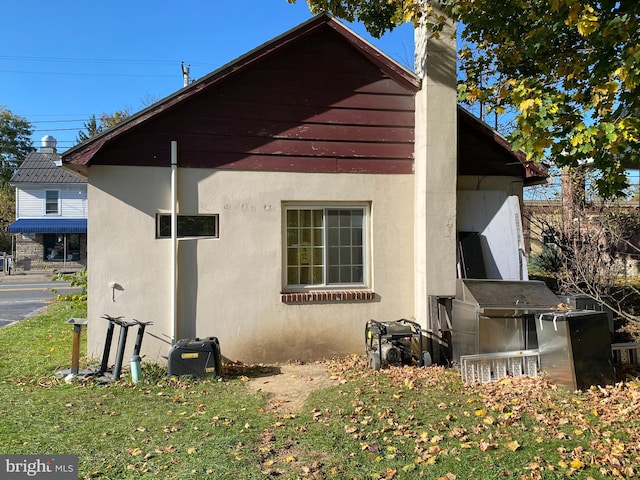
[(481, 149), (80, 157), (40, 168)]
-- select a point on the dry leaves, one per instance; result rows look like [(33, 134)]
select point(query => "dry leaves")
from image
[(488, 417)]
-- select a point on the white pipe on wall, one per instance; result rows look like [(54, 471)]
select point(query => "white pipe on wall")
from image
[(174, 240)]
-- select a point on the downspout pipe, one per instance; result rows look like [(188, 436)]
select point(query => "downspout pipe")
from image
[(174, 240)]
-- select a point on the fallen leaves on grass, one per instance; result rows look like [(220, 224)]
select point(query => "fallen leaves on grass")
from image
[(514, 415)]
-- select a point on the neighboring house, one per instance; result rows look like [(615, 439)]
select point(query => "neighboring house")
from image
[(50, 230), (313, 183), (545, 222)]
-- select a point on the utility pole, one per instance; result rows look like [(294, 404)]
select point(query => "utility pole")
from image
[(185, 74)]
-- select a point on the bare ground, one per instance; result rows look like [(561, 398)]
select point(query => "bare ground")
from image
[(290, 384)]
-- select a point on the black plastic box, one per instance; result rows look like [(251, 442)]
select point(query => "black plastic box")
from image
[(195, 357)]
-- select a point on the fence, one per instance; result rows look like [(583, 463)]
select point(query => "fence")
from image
[(626, 353)]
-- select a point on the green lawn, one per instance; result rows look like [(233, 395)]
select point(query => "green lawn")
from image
[(397, 423)]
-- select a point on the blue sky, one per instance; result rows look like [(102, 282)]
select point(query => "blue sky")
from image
[(61, 62)]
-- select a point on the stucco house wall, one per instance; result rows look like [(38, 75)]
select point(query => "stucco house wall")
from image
[(231, 286), (315, 118)]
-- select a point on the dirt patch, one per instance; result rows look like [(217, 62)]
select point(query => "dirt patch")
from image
[(289, 385)]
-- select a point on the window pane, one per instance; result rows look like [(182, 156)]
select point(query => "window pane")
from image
[(334, 256), (311, 261), (292, 256), (188, 226), (318, 237), (292, 237), (292, 218), (334, 275), (345, 246), (292, 275), (197, 226), (317, 275), (305, 276), (318, 220), (164, 226), (357, 275), (51, 201), (333, 236), (73, 241), (53, 247), (345, 274), (356, 236), (317, 255), (356, 256), (345, 218), (333, 218), (304, 256), (305, 247), (305, 218)]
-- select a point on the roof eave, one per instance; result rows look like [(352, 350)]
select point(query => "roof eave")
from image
[(534, 173)]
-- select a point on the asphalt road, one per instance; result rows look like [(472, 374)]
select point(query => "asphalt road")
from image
[(23, 299)]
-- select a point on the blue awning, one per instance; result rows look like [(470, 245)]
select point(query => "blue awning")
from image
[(48, 225)]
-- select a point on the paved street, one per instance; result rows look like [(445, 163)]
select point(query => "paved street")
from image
[(22, 298)]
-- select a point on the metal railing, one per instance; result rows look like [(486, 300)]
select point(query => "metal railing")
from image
[(489, 367)]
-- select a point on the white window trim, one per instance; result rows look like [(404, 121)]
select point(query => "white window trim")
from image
[(59, 203), (367, 242)]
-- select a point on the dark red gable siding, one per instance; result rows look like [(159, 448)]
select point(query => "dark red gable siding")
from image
[(317, 105), (483, 151)]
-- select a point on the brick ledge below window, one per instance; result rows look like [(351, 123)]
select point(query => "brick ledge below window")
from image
[(329, 296)]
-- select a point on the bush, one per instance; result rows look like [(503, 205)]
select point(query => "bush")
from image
[(548, 260), (75, 279)]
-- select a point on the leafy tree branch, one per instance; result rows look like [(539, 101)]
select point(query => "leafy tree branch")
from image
[(570, 69)]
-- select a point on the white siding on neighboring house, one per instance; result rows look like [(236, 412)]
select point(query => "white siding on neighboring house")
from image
[(72, 203)]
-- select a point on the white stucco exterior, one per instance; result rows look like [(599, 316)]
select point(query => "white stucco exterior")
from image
[(435, 169), (230, 287)]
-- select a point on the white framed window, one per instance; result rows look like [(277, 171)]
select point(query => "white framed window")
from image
[(52, 202), (188, 225), (326, 245)]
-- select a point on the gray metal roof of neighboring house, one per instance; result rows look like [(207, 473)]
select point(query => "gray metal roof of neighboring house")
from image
[(39, 168)]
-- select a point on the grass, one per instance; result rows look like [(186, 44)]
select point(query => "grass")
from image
[(397, 423)]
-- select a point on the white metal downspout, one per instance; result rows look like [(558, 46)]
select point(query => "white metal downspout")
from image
[(174, 240)]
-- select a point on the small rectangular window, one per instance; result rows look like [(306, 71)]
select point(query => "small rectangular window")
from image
[(52, 202), (188, 226)]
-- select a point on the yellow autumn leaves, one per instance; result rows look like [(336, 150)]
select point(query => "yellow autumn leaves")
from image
[(584, 18)]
